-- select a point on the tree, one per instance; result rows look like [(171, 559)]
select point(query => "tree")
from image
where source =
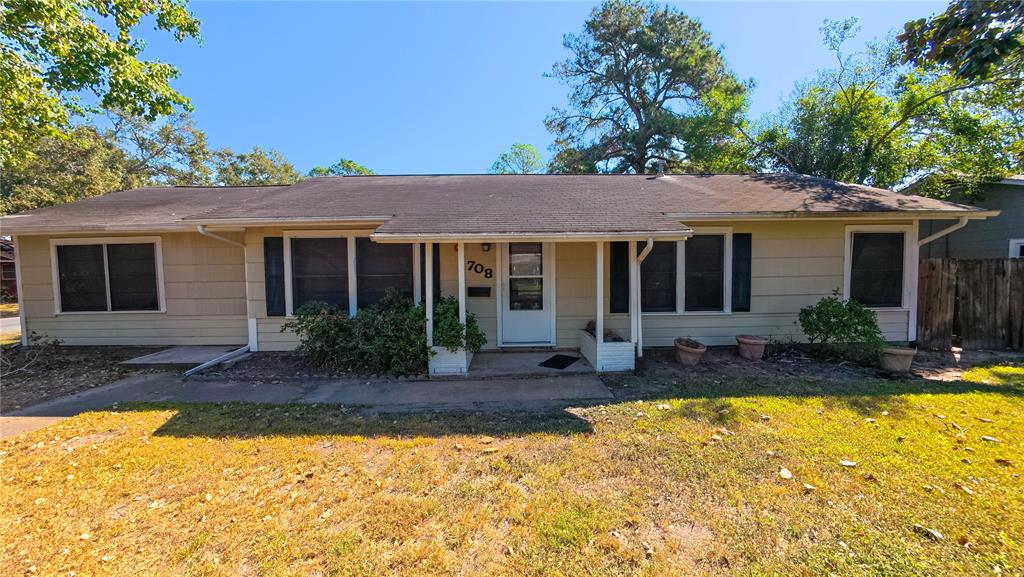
[(872, 120), (258, 167), (171, 151), (55, 52), (520, 159), (973, 38), (344, 167), (645, 83)]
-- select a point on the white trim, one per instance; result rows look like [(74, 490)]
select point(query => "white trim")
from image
[(910, 254), (460, 248), (664, 235), (22, 318), (599, 273), (634, 328), (915, 267), (1015, 243), (252, 326), (158, 255), (430, 293), (500, 248), (894, 215), (350, 235), (549, 253), (417, 286), (550, 281), (680, 287)]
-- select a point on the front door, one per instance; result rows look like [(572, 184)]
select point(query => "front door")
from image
[(526, 296)]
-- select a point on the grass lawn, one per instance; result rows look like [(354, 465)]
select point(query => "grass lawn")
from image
[(686, 480), (8, 310), (10, 339)]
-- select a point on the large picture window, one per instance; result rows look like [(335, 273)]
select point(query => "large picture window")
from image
[(319, 268), (876, 268), (705, 273), (111, 275), (658, 279)]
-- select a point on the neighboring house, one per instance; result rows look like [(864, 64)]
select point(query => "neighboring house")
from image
[(8, 278), (535, 257), (998, 237)]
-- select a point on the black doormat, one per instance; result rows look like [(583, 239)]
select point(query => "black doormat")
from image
[(559, 362)]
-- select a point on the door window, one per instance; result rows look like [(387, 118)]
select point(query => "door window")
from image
[(526, 276)]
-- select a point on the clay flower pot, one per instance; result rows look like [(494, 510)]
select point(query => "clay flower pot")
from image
[(689, 351), (896, 359), (751, 347)]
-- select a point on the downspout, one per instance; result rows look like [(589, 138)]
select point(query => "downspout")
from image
[(250, 320), (639, 305), (952, 228)]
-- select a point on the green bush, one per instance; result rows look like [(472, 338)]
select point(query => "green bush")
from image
[(389, 337), (843, 327), (450, 333)]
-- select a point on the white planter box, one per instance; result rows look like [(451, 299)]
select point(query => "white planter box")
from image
[(620, 356), (445, 362)]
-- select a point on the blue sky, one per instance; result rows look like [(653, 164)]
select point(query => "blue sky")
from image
[(429, 87)]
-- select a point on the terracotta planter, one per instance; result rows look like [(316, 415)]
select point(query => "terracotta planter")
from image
[(896, 359), (689, 351), (751, 347)]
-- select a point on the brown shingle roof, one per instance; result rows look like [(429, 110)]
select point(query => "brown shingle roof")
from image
[(487, 204)]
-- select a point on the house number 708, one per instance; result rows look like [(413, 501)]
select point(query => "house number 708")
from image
[(478, 268)]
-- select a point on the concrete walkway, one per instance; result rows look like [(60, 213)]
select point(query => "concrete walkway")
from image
[(403, 396)]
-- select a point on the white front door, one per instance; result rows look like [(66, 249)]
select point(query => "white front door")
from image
[(527, 284)]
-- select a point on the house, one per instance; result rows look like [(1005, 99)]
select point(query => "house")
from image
[(998, 237), (8, 274), (535, 258)]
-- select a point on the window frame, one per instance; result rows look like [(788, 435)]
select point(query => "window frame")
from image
[(351, 236), (158, 257), (1015, 246), (910, 248), (725, 231)]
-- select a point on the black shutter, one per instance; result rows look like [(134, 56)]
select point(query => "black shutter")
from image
[(380, 267), (132, 270), (80, 271), (618, 270), (437, 272), (741, 267), (273, 275)]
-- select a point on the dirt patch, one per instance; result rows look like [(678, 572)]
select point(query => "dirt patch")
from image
[(32, 375), (278, 367)]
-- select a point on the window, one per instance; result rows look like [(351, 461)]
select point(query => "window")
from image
[(710, 272), (319, 268), (380, 267), (658, 279), (876, 267), (526, 276), (7, 271), (705, 273), (273, 275), (107, 275), (1017, 248)]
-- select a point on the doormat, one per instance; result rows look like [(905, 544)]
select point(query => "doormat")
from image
[(559, 362)]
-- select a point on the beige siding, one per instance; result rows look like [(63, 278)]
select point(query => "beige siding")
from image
[(484, 308), (204, 290)]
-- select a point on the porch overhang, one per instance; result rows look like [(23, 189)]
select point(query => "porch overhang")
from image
[(683, 233)]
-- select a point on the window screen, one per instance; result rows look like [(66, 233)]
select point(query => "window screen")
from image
[(658, 279), (436, 265), (618, 271), (82, 276), (741, 269), (876, 269), (380, 267), (319, 271), (132, 272), (273, 275), (705, 273)]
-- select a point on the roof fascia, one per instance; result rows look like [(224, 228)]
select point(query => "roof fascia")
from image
[(894, 215)]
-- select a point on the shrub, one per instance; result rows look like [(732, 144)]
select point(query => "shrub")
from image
[(450, 333), (842, 327), (389, 337)]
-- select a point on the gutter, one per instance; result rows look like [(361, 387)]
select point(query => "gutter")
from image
[(216, 361), (201, 229), (949, 229), (250, 318), (639, 306)]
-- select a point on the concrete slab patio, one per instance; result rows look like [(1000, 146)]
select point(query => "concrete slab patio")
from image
[(183, 357), (389, 396)]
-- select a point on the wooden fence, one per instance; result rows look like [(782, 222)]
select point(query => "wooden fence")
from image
[(976, 304)]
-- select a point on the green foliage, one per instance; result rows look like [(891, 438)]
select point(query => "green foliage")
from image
[(646, 82), (972, 38), (872, 120), (836, 325), (257, 167), (389, 337), (344, 167), (53, 51), (520, 159), (450, 333)]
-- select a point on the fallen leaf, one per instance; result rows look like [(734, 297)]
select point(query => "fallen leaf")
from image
[(1004, 462), (846, 463), (491, 450), (458, 446), (929, 533), (486, 440), (765, 418), (809, 488), (965, 489), (869, 421), (785, 473), (984, 420), (716, 437), (989, 439)]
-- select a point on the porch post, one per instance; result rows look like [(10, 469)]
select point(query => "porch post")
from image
[(430, 293), (417, 298), (599, 322), (633, 329), (461, 247)]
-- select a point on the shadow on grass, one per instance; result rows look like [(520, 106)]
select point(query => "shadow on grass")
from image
[(250, 420)]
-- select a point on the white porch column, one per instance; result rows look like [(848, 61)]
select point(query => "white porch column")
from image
[(633, 300), (430, 293), (599, 322), (461, 247), (416, 287)]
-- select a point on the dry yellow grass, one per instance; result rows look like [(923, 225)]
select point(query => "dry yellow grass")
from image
[(684, 482), (8, 310)]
